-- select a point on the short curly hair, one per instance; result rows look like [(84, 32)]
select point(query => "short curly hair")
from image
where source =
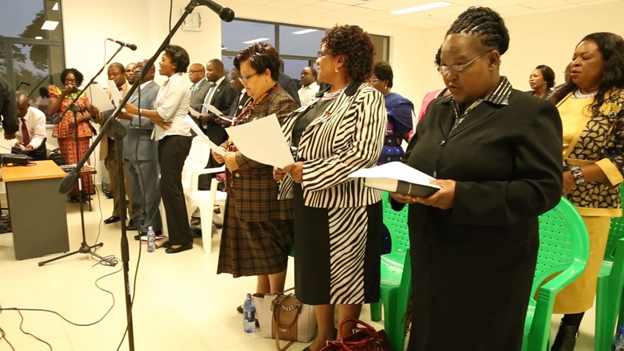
[(486, 24), (356, 46), (77, 75), (261, 56), (383, 71)]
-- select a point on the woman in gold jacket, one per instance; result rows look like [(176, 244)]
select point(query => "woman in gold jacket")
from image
[(591, 106)]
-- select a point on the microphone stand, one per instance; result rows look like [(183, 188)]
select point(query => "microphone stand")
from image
[(117, 130), (37, 86), (84, 247)]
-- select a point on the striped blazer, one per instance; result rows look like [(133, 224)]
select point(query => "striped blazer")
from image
[(348, 136)]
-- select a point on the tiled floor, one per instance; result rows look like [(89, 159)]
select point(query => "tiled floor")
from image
[(181, 303)]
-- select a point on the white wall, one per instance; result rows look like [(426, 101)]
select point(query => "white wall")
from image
[(141, 22), (547, 38), (405, 42), (544, 38)]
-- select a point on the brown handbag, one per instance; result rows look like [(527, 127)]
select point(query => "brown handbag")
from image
[(364, 339), (284, 317)]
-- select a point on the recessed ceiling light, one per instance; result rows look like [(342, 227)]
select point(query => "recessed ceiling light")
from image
[(55, 7), (433, 5), (253, 41), (49, 25), (38, 38), (305, 31)]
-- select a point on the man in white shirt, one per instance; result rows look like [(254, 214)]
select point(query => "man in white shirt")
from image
[(31, 135), (309, 88)]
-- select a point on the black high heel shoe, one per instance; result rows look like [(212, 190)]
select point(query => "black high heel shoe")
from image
[(171, 250)]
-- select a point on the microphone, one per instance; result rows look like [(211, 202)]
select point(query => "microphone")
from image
[(226, 14), (129, 46)]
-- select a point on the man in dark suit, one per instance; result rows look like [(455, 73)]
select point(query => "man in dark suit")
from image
[(141, 154), (197, 76), (221, 96), (242, 98), (290, 86)]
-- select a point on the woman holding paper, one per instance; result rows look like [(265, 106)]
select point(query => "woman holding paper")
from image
[(337, 219), (174, 143), (497, 155), (257, 230), (65, 130)]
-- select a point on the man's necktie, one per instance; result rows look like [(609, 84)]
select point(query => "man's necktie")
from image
[(208, 98), (25, 134)]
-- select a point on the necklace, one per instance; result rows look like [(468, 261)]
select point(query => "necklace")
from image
[(579, 95), (331, 96)]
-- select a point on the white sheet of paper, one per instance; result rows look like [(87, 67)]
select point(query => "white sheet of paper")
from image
[(213, 109), (395, 170), (114, 91), (214, 147), (98, 98), (193, 112), (262, 141), (414, 121)]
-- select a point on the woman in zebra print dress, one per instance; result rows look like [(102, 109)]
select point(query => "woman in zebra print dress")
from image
[(337, 219)]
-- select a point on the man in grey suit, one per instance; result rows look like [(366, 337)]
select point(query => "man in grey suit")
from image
[(200, 87), (141, 153)]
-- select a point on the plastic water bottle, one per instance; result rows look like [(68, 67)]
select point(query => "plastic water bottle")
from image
[(151, 239), (618, 342), (249, 315)]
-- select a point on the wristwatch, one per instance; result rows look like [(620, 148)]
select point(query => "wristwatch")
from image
[(577, 174)]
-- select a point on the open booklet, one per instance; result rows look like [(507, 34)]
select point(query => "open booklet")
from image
[(397, 177)]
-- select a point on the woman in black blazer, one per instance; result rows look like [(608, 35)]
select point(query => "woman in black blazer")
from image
[(497, 155)]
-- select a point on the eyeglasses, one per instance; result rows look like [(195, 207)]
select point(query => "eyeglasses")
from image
[(459, 68), (244, 79), (373, 80), (193, 72)]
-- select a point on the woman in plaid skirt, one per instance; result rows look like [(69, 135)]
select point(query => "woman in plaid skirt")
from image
[(258, 228)]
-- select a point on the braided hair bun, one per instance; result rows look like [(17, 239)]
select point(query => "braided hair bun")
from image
[(486, 23)]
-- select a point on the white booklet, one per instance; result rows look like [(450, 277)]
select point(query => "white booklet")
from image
[(114, 92), (214, 147), (397, 177), (98, 98)]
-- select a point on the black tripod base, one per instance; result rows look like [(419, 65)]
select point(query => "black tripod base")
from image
[(84, 249)]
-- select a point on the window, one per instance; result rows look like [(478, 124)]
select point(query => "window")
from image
[(31, 45), (298, 46)]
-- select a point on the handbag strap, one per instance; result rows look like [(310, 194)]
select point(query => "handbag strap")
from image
[(276, 313), (369, 329)]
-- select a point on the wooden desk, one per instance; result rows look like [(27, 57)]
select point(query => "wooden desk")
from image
[(38, 216)]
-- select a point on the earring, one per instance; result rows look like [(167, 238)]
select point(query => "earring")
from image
[(386, 87), (337, 69)]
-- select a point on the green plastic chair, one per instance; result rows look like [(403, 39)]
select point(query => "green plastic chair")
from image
[(396, 276), (610, 287), (564, 249)]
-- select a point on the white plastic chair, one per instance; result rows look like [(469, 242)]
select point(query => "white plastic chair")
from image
[(205, 200), (197, 159)]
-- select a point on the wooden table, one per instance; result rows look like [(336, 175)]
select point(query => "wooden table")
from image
[(37, 209)]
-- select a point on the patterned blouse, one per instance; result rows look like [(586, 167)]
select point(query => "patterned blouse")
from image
[(595, 138), (63, 129)]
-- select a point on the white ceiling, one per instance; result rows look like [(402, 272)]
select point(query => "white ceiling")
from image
[(379, 10)]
